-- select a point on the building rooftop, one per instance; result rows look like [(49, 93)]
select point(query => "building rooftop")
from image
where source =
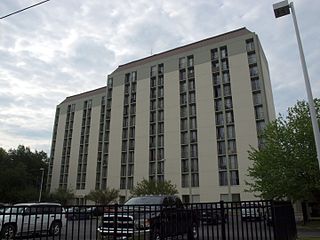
[(85, 94), (186, 48)]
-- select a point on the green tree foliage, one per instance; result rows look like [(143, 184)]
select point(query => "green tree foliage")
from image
[(20, 174), (150, 187), (287, 167), (103, 197), (62, 196)]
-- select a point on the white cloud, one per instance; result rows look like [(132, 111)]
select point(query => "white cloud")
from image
[(62, 48)]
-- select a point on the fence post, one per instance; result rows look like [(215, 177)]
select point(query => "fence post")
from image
[(223, 221), (115, 231)]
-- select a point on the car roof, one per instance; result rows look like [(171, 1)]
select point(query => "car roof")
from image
[(37, 204)]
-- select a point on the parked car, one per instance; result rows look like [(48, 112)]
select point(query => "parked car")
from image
[(210, 213), (251, 211), (150, 217), (30, 218), (78, 213)]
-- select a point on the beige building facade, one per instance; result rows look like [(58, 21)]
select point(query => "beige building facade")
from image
[(188, 115)]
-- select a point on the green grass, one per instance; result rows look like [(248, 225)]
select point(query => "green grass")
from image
[(313, 225)]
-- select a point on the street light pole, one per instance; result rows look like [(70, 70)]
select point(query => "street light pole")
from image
[(281, 9), (42, 175)]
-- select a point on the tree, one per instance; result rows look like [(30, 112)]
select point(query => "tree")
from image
[(62, 195), (287, 167), (103, 197), (20, 174), (151, 187)]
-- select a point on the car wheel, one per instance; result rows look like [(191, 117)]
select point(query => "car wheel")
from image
[(55, 228), (8, 232), (193, 232)]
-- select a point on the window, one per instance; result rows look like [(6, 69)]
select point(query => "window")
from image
[(133, 109), (232, 146), (153, 105), (124, 146), (234, 177), (190, 73), (183, 99), (160, 68), (229, 117), (160, 80), (160, 92), (160, 154), (132, 120), (183, 86), (192, 97), (185, 180), (152, 169), (216, 78), (226, 77), (223, 52), (194, 165), (219, 119), (152, 141), (160, 141), (253, 71), (228, 103), (225, 64), (193, 123), (217, 91), (132, 132), (195, 180), (227, 90), (125, 122), (153, 71), (257, 100), (182, 74), (130, 169), (160, 128), (134, 76), (124, 133), (220, 133), (184, 138), (221, 148), (127, 78), (153, 93), (192, 110), (214, 54), (160, 116), (218, 105), (190, 61), (182, 62), (252, 58), (258, 110), (153, 82), (152, 116), (231, 132), (184, 151), (110, 82), (185, 166), (215, 66), (250, 45), (191, 85), (233, 162), (152, 155), (160, 167), (255, 84), (260, 126), (152, 129), (193, 150), (160, 103), (184, 124), (223, 178), (193, 136), (222, 162), (183, 111)]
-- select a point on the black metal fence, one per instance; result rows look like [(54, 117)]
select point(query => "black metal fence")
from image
[(251, 220)]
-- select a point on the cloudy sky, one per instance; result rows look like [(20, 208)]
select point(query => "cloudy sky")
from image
[(62, 48)]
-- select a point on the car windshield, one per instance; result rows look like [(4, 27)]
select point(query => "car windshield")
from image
[(144, 201)]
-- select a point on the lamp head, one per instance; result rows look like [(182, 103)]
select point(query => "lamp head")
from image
[(281, 9)]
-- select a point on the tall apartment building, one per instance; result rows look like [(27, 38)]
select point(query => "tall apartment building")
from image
[(188, 115)]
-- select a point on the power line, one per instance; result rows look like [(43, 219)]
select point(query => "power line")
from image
[(21, 10)]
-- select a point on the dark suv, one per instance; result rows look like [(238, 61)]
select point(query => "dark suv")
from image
[(150, 217)]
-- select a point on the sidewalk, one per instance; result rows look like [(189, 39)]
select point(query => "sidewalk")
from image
[(310, 231)]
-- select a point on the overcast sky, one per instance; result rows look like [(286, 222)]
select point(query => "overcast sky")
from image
[(62, 48)]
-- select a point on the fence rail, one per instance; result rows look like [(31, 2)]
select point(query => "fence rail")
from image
[(249, 220)]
